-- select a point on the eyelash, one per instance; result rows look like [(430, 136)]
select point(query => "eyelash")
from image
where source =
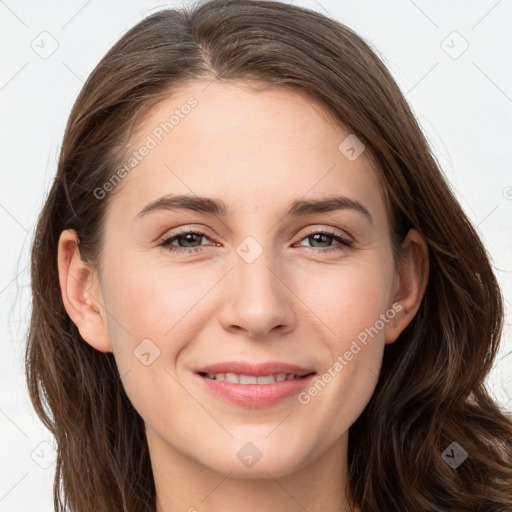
[(344, 242)]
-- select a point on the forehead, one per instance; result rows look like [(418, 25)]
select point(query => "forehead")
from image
[(258, 150)]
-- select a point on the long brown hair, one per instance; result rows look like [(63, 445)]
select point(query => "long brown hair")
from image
[(431, 390)]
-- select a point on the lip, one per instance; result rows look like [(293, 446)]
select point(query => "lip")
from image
[(255, 396)]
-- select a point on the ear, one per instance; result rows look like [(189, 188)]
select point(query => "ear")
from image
[(81, 293), (410, 284)]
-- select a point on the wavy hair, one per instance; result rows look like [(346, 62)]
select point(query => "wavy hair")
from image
[(431, 389)]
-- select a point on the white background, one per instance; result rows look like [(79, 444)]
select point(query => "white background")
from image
[(464, 105)]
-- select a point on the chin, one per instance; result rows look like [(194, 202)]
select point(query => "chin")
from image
[(257, 457)]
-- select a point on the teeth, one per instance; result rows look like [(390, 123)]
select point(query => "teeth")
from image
[(263, 379), (251, 379), (230, 377), (248, 379)]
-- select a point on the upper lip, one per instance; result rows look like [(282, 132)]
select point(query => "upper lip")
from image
[(256, 369)]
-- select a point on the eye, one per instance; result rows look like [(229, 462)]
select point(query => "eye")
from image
[(326, 236), (190, 237), (190, 241)]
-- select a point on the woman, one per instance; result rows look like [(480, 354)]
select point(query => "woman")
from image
[(193, 348)]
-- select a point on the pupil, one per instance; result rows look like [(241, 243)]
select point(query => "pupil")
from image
[(320, 235), (187, 237)]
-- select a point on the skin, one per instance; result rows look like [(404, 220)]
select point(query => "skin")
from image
[(257, 151)]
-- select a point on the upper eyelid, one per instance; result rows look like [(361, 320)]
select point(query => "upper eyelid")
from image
[(334, 231)]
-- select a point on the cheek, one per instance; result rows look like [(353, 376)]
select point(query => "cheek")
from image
[(147, 323), (152, 302), (356, 310), (350, 299), (153, 314)]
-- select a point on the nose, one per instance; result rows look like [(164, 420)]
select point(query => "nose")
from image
[(259, 298)]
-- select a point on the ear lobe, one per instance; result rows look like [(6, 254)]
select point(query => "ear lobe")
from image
[(81, 293), (412, 282)]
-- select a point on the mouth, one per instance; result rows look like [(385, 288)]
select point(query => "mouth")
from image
[(237, 378), (254, 386)]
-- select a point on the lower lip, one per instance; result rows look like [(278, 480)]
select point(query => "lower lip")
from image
[(256, 396)]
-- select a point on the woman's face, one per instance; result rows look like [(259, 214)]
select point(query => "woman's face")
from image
[(259, 284)]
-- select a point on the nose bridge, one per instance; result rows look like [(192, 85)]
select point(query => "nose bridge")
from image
[(258, 298), (255, 264)]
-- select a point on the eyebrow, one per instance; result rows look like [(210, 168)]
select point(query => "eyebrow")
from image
[(216, 206)]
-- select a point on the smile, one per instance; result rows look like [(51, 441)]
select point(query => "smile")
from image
[(254, 392), (251, 379)]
